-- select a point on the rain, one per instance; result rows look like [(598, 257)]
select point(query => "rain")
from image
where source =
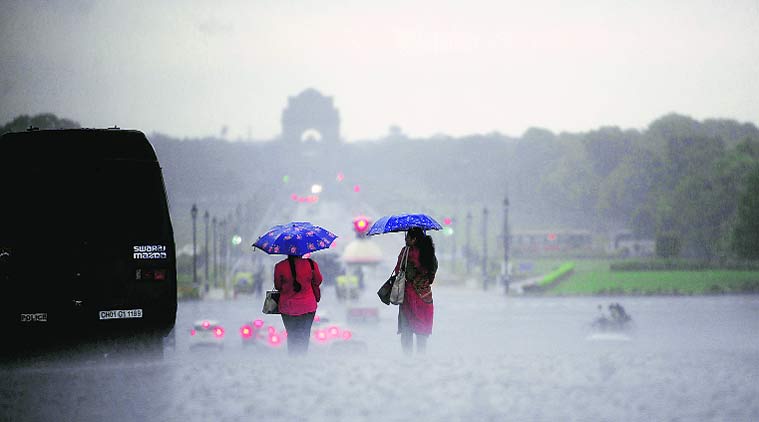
[(588, 175)]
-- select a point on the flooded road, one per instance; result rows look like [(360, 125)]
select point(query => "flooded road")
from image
[(489, 358)]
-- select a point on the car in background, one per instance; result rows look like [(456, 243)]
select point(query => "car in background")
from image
[(260, 333), (207, 333), (324, 333)]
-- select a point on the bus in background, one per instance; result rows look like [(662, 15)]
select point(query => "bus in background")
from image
[(87, 253)]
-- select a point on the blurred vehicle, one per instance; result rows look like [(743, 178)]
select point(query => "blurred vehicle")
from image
[(335, 335), (207, 333), (324, 333), (362, 314), (86, 240), (259, 333), (347, 288)]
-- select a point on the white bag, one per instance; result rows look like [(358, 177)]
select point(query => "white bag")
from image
[(399, 285)]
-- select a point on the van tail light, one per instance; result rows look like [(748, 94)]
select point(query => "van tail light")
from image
[(150, 274), (218, 332)]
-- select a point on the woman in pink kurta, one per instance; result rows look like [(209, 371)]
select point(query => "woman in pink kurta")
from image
[(298, 282), (416, 313)]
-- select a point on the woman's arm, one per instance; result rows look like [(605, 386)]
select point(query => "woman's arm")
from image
[(317, 274)]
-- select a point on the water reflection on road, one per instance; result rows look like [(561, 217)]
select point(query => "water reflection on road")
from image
[(490, 358)]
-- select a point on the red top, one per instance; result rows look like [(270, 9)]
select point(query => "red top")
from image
[(303, 302)]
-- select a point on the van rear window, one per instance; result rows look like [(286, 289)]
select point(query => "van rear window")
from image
[(121, 200)]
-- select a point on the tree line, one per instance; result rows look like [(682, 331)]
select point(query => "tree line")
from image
[(692, 185)]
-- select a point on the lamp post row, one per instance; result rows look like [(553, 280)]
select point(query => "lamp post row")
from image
[(217, 233), (469, 255)]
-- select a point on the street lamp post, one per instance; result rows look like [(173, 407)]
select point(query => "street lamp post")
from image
[(468, 242), (194, 213), (222, 250), (215, 268), (485, 248), (506, 245), (205, 251), (453, 247)]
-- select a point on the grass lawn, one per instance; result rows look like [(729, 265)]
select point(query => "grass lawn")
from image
[(591, 279)]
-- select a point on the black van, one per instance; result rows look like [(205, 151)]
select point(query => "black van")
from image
[(86, 242)]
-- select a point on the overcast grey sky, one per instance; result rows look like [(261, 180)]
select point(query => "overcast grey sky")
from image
[(187, 68)]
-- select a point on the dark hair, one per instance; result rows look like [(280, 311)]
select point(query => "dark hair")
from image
[(426, 248), (296, 285)]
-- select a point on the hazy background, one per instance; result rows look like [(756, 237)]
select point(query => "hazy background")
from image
[(190, 68)]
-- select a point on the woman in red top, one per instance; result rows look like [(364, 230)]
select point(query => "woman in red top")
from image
[(298, 281), (416, 312)]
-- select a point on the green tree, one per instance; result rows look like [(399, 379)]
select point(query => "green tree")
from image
[(745, 240), (630, 188), (607, 147), (668, 245), (40, 121)]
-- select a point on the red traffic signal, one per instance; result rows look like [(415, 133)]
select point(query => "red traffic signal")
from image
[(361, 224)]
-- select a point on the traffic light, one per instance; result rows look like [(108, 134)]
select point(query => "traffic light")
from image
[(361, 224)]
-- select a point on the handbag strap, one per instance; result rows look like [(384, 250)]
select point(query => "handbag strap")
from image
[(403, 261), (296, 286), (405, 258)]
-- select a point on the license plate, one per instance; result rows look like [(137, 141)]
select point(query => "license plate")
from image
[(39, 317), (121, 314)]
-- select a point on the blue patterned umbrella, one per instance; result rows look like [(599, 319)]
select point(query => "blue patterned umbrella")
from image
[(296, 238), (403, 222)]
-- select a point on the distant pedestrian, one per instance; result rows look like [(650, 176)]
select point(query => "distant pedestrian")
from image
[(298, 281), (416, 313)]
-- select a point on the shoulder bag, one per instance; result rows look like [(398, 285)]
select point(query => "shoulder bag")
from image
[(271, 302), (384, 291), (399, 285)]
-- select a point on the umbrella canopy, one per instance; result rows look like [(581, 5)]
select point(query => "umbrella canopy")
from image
[(403, 222), (296, 238)]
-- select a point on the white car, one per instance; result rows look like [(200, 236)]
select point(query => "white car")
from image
[(324, 332), (258, 332), (207, 333)]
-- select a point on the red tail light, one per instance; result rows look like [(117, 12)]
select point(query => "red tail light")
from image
[(206, 324), (258, 323), (192, 332), (347, 335), (218, 332), (272, 330), (246, 331), (320, 335), (334, 331), (274, 340)]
